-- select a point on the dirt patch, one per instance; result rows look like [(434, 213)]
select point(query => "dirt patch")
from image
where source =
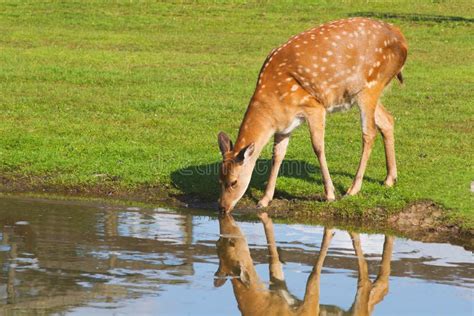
[(423, 220)]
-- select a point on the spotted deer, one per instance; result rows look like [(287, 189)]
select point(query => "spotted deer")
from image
[(325, 69), (254, 298), (252, 295)]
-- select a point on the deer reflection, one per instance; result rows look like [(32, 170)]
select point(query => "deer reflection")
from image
[(254, 298)]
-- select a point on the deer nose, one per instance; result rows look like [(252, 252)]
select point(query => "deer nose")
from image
[(224, 210)]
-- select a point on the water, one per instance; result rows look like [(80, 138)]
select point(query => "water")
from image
[(66, 258)]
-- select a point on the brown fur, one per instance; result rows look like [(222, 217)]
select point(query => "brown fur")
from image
[(254, 298), (324, 69)]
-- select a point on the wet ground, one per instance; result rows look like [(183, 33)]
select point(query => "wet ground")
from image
[(71, 258)]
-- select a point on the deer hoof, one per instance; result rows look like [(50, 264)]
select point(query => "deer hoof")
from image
[(390, 182), (263, 203), (352, 191)]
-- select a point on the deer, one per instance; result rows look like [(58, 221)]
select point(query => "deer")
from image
[(325, 69), (254, 298)]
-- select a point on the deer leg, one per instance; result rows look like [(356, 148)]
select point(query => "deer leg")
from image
[(316, 122), (385, 123), (279, 150), (277, 278), (361, 262), (367, 105), (310, 304), (360, 306), (380, 288)]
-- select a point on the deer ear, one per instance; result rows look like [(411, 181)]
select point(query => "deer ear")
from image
[(225, 144), (245, 153), (244, 276)]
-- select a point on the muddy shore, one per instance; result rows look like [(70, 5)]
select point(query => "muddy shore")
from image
[(420, 220)]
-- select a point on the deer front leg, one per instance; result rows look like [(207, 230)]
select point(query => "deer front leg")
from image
[(279, 150), (360, 306), (316, 121), (277, 278), (385, 123), (310, 304), (361, 262), (367, 105)]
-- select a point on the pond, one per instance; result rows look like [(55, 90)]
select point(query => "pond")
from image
[(60, 257)]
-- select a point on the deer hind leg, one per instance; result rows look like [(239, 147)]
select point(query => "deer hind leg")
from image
[(367, 104), (316, 121), (279, 150), (385, 123)]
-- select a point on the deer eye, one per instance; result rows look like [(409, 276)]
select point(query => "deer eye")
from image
[(234, 183)]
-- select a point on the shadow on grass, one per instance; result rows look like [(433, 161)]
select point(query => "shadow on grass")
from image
[(201, 181), (414, 17)]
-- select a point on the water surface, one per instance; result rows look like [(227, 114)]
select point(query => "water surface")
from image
[(68, 258)]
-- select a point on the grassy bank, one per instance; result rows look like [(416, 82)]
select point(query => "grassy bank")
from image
[(132, 95)]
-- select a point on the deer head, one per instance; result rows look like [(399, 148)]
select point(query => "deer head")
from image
[(235, 171), (234, 254)]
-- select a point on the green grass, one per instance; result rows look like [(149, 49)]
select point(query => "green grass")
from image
[(139, 91)]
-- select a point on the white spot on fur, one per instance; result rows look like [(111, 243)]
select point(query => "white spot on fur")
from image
[(371, 84)]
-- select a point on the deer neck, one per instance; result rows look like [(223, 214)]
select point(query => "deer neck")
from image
[(256, 128), (251, 298)]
